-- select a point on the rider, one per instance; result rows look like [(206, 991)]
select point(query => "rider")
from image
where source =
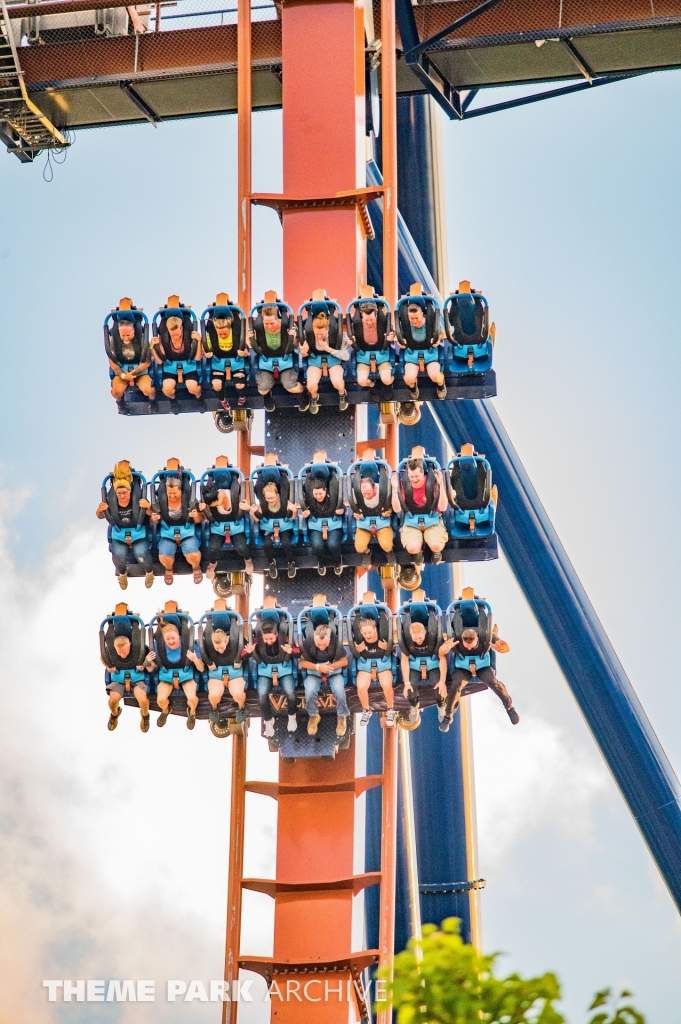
[(322, 342), (274, 513), (419, 493), (224, 510), (177, 349), (370, 502), (177, 656), (322, 507), (272, 647), (128, 352), (472, 639), (224, 345), (369, 328), (421, 338), (423, 651), (123, 651), (273, 338), (125, 508), (322, 658), (175, 508), (221, 643), (371, 641)]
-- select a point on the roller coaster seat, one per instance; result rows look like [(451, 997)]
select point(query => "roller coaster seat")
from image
[(468, 478), (184, 528), (419, 632), (466, 317), (262, 478), (172, 663), (267, 319), (223, 477), (221, 642), (321, 319), (277, 623), (414, 473), (134, 324), (327, 512), (359, 632), (176, 362), (467, 616), (224, 338), (319, 613), (122, 645), (379, 474), (417, 326), (139, 528)]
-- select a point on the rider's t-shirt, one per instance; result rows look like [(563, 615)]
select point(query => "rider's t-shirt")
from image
[(273, 341), (128, 351), (126, 515), (174, 655), (372, 650), (226, 344), (418, 494), (419, 333)]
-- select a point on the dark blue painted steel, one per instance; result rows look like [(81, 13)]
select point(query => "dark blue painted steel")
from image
[(438, 811), (579, 643)]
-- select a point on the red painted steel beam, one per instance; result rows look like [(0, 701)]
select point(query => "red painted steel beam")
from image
[(162, 52), (324, 154)]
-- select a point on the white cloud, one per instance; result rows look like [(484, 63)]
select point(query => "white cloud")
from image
[(113, 845), (533, 775)]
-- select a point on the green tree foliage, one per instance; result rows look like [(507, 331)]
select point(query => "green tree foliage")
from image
[(451, 983)]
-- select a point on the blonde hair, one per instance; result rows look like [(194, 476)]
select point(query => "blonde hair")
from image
[(321, 321), (220, 635), (173, 321), (223, 321), (322, 631), (122, 477), (271, 487)]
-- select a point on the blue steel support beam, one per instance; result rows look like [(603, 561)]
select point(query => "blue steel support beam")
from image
[(579, 643), (439, 819)]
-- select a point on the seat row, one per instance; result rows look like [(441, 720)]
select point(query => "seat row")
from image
[(369, 515), (240, 361), (321, 663)]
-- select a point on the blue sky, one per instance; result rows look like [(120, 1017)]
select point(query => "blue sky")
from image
[(567, 214)]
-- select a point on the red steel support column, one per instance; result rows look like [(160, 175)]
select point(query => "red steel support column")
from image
[(324, 146), (244, 104), (389, 149)]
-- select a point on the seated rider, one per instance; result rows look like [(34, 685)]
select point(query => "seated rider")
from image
[(274, 513), (322, 659), (418, 333), (223, 509), (221, 642), (273, 338), (368, 319), (123, 650), (176, 656), (419, 494), (371, 641), (225, 347), (175, 508), (125, 508), (371, 505), (473, 637), (423, 651), (127, 347), (322, 342), (322, 508), (273, 649), (177, 348)]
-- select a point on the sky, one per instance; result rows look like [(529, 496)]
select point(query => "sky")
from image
[(114, 846)]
